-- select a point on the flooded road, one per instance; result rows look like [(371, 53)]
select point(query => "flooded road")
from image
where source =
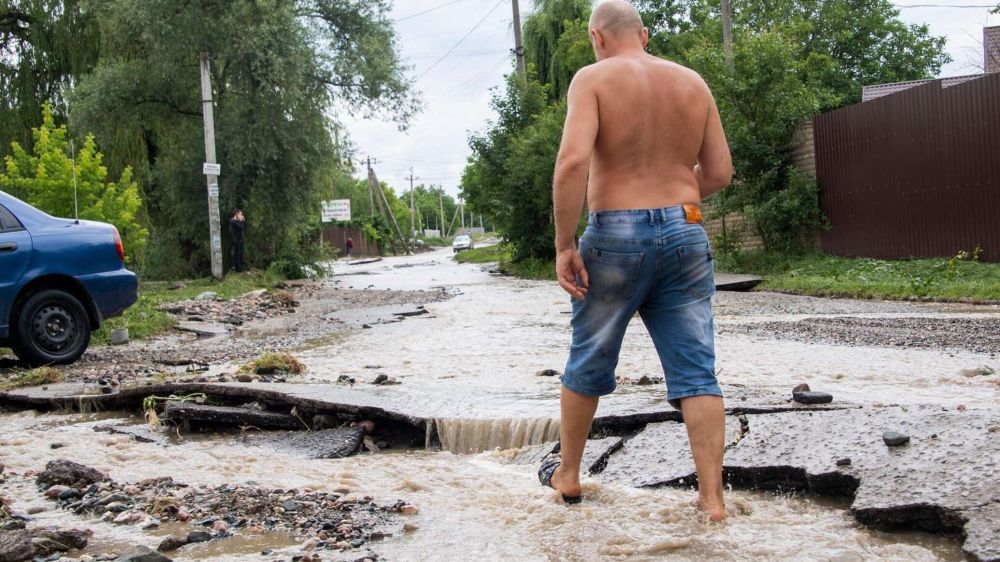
[(472, 363), (480, 504)]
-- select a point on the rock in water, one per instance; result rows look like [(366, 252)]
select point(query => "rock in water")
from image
[(69, 473), (199, 536), (15, 546), (142, 554), (548, 373), (800, 388), (49, 540), (172, 543), (812, 397), (895, 439), (846, 461)]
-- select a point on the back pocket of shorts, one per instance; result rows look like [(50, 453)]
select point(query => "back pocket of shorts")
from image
[(612, 274), (696, 269)]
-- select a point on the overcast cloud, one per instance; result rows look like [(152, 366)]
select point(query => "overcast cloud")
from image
[(456, 88)]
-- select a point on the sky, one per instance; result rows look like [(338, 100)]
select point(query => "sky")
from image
[(455, 87)]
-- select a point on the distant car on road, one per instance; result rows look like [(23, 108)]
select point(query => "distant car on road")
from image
[(462, 243), (59, 280)]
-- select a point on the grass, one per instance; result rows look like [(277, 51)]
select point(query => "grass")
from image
[(274, 363), (144, 319), (531, 268), (957, 279), (813, 273), (32, 377)]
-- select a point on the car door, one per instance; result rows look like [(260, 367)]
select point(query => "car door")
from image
[(15, 253)]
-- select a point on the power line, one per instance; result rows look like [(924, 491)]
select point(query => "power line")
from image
[(464, 37), (977, 6), (429, 10)]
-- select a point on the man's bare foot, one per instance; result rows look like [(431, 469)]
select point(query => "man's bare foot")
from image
[(714, 507), (566, 483)]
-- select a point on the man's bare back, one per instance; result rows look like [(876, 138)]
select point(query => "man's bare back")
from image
[(651, 123)]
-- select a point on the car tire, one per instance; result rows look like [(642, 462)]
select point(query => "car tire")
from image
[(52, 328)]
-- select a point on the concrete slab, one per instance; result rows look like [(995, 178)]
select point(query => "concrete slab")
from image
[(734, 282)]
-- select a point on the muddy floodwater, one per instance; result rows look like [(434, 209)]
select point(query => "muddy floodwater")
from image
[(468, 504), (472, 364)]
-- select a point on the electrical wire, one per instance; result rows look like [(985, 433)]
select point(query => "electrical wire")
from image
[(435, 8), (978, 6), (460, 41)]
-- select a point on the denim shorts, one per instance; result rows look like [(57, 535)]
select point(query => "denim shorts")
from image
[(653, 262)]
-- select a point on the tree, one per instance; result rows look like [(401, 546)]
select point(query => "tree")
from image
[(45, 178), (542, 33), (280, 72), (44, 46)]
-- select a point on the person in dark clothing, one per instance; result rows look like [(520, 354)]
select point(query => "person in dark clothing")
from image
[(237, 228), (350, 246)]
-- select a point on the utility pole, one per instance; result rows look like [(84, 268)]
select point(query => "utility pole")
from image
[(461, 206), (211, 169), (441, 203), (518, 45), (371, 195), (727, 32), (412, 208)]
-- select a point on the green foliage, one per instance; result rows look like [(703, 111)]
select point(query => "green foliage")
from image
[(526, 268), (44, 46), (277, 70), (959, 278), (275, 363), (44, 178), (543, 32), (509, 177), (428, 201)]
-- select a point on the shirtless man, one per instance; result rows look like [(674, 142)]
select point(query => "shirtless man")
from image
[(648, 134)]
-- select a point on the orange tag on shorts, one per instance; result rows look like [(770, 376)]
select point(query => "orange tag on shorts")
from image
[(693, 214)]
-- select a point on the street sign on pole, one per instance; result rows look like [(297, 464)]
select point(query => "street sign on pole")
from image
[(212, 169)]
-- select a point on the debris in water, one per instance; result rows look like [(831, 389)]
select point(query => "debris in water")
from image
[(894, 439)]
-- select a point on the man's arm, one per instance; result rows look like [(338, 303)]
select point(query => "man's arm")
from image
[(714, 169), (570, 182)]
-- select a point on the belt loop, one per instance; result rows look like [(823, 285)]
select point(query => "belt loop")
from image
[(597, 218), (663, 215), (652, 217)]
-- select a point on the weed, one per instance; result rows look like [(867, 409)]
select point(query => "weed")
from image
[(33, 377), (275, 363)]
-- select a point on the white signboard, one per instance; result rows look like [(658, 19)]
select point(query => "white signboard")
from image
[(336, 210), (213, 190), (212, 169)]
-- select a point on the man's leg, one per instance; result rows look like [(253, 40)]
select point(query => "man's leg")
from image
[(574, 428), (705, 418)]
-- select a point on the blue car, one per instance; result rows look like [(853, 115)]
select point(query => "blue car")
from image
[(59, 280)]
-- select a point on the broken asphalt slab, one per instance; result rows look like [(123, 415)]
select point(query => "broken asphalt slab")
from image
[(944, 480), (733, 282), (324, 444), (226, 415), (595, 455)]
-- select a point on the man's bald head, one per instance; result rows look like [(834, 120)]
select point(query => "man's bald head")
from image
[(614, 18)]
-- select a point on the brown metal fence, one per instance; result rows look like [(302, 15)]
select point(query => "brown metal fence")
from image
[(914, 174)]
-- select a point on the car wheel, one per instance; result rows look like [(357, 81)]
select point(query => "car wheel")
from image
[(52, 328)]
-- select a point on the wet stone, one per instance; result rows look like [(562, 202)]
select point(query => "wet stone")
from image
[(812, 397), (844, 462), (69, 473), (142, 554), (48, 540), (16, 546), (199, 536), (290, 505), (170, 544), (895, 439)]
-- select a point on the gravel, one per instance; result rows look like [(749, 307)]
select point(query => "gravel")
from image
[(980, 335)]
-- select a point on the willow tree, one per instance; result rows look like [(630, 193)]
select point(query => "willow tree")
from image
[(44, 46), (281, 72), (542, 33)]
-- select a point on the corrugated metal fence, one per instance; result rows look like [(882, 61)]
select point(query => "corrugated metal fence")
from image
[(914, 174)]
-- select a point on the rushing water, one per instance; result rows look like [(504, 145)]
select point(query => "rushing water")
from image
[(471, 366), (478, 506)]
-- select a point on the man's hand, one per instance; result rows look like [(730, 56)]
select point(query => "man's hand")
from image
[(569, 266)]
